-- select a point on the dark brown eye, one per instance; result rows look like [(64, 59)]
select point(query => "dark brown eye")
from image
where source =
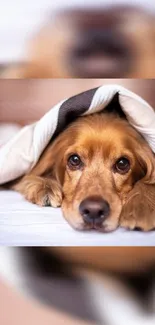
[(122, 165), (74, 161)]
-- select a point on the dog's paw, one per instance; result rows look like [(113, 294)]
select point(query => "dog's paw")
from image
[(46, 197), (138, 213), (41, 191), (45, 194), (48, 200)]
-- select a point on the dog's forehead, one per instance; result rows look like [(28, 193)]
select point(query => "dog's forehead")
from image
[(103, 133), (104, 137), (100, 129)]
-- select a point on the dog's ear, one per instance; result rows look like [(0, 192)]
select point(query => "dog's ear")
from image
[(139, 209), (51, 163)]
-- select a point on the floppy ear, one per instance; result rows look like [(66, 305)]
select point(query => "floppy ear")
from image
[(139, 209), (43, 185)]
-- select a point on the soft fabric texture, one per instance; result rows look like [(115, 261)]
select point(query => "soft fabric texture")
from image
[(22, 152)]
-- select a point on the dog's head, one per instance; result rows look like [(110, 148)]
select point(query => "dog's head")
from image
[(97, 163), (95, 43)]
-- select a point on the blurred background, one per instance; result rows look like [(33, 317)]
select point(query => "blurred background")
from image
[(77, 285), (75, 38)]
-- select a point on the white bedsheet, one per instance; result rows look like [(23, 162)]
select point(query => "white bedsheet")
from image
[(25, 224)]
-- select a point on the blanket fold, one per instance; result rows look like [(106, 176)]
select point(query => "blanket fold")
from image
[(22, 152)]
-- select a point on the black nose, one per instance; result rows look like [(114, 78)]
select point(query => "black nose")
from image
[(94, 209), (105, 41)]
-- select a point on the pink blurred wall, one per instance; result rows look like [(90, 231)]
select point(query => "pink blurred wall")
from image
[(23, 101)]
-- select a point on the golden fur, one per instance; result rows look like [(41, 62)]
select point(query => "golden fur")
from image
[(99, 140)]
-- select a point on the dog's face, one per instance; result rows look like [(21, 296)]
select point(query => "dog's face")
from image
[(97, 161), (101, 43)]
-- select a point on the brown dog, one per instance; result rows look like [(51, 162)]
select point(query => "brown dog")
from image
[(101, 171), (114, 42)]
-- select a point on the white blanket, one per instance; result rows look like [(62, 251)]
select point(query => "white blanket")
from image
[(22, 152)]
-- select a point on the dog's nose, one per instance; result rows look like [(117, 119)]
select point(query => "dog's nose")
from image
[(94, 209), (103, 41)]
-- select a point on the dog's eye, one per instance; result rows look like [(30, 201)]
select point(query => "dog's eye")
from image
[(74, 161), (122, 165)]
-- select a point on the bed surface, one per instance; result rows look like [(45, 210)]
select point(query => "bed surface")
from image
[(25, 224)]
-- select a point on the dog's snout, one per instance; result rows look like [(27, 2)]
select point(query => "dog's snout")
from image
[(94, 209)]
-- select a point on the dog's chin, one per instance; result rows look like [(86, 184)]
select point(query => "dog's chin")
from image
[(103, 228), (99, 67)]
